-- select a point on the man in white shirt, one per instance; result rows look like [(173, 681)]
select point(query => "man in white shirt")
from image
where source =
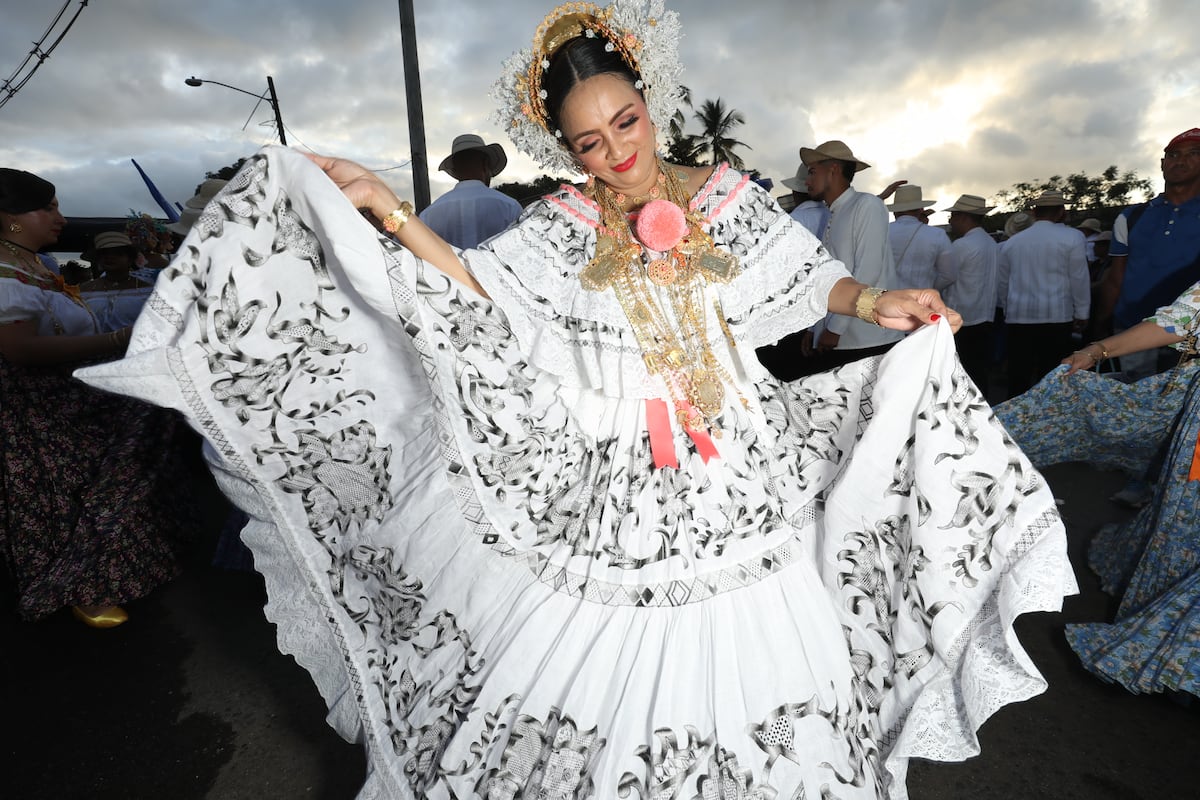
[(812, 214), (472, 211), (1090, 228), (857, 236), (1045, 291), (920, 251), (973, 290)]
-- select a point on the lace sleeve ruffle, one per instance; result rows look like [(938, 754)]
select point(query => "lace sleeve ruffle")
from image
[(787, 274), (532, 272)]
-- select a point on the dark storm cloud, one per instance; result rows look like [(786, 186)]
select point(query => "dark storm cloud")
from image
[(1062, 86)]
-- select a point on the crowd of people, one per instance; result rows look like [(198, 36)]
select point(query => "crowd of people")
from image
[(649, 477), (1044, 291)]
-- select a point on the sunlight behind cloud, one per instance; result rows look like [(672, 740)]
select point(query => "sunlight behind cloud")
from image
[(946, 116)]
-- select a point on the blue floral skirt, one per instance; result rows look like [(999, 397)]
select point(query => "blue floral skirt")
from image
[(1153, 562)]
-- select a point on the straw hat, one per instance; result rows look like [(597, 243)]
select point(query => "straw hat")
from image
[(195, 205), (971, 204), (1017, 223), (1050, 197), (496, 159), (798, 183), (908, 198), (1090, 224), (110, 240), (833, 150)]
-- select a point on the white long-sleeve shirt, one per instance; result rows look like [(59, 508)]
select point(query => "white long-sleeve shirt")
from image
[(1043, 275), (921, 254), (973, 292), (812, 214), (470, 213), (857, 236)]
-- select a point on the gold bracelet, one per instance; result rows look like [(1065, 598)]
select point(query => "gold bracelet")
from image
[(396, 220), (1087, 352), (864, 306)]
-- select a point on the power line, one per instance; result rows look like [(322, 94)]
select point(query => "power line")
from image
[(38, 54), (305, 145)]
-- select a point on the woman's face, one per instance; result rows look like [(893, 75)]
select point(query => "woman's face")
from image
[(605, 124), (41, 226)]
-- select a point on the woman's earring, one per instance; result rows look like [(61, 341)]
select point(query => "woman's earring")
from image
[(14, 227)]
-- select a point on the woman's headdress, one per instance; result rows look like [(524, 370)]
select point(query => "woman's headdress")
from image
[(642, 32)]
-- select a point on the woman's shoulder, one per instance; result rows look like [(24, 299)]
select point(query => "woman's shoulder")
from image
[(20, 296), (722, 190), (568, 203)]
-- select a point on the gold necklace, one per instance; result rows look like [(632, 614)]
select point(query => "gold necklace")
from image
[(25, 259), (664, 299), (639, 200)]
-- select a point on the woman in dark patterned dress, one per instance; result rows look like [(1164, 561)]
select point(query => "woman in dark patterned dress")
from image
[(94, 487)]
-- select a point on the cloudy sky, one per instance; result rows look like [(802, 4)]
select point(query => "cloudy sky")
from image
[(963, 96)]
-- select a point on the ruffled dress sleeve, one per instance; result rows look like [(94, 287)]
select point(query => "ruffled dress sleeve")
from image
[(1180, 317), (25, 298)]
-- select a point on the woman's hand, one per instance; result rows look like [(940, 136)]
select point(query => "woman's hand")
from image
[(909, 309), (365, 190), (1080, 359), (362, 187)]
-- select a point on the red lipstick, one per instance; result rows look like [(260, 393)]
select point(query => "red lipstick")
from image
[(627, 164)]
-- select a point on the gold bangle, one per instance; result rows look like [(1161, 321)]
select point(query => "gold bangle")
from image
[(396, 220), (864, 306), (1103, 351)]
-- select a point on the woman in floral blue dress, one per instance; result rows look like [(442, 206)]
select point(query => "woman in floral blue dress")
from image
[(1152, 562)]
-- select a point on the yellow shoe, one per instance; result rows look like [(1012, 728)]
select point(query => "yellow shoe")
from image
[(109, 617)]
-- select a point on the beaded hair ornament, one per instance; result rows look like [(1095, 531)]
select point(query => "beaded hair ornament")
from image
[(642, 32)]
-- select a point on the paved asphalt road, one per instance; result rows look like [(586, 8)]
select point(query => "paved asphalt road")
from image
[(191, 700)]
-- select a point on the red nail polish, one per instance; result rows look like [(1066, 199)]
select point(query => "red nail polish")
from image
[(934, 317)]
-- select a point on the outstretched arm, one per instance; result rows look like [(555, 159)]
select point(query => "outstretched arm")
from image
[(1143, 336), (366, 191), (898, 309)]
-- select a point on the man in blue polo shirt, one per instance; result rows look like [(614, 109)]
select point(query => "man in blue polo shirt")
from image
[(1155, 249)]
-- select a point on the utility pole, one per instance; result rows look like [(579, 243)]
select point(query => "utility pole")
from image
[(275, 105), (416, 112)]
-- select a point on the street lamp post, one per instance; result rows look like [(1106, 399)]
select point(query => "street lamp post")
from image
[(270, 97)]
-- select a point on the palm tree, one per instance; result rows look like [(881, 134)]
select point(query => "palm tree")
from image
[(682, 148), (717, 138)]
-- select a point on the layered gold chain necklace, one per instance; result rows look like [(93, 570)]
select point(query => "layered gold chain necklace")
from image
[(26, 258), (663, 296)]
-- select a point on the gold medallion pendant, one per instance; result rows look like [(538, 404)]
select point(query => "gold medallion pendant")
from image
[(661, 272), (708, 393)]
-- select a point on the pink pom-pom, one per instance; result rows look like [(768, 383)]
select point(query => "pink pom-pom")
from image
[(660, 225)]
